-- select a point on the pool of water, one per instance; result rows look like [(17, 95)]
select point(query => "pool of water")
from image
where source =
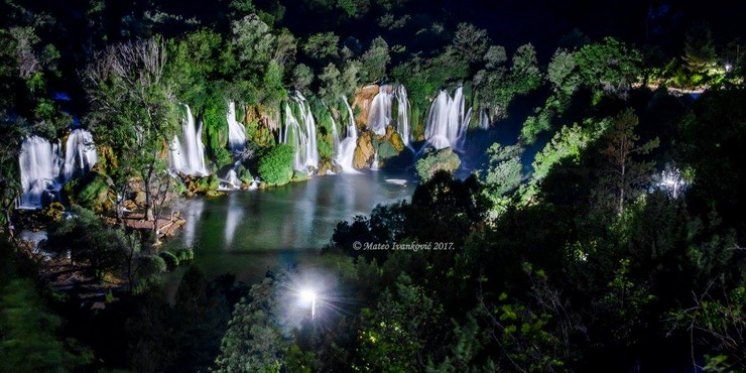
[(247, 233)]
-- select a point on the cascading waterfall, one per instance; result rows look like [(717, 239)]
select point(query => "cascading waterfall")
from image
[(80, 154), (236, 143), (40, 163), (379, 115), (447, 122), (300, 132), (236, 130), (402, 113), (346, 149), (44, 170), (484, 119), (187, 150), (381, 111)]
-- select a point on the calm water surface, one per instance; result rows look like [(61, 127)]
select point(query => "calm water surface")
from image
[(247, 233)]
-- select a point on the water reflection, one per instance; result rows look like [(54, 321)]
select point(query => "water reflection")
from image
[(233, 218), (254, 231)]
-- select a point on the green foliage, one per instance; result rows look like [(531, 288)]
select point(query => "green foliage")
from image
[(562, 73), (496, 85), (503, 174), (302, 77), (29, 340), (392, 337), (566, 145), (90, 242), (276, 165), (253, 41), (92, 191), (321, 47), (471, 42), (254, 341), (625, 176), (699, 51), (170, 259), (610, 66), (374, 61), (435, 161)]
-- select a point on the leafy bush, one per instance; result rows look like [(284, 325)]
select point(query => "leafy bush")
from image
[(170, 259), (276, 166), (434, 161)]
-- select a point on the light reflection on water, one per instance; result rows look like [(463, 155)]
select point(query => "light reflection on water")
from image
[(248, 233)]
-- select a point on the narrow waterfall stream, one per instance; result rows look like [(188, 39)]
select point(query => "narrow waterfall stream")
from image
[(187, 151)]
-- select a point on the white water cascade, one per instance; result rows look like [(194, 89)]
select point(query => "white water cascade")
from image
[(44, 169), (80, 154), (40, 163), (447, 122), (236, 130), (402, 114), (187, 150), (300, 132), (381, 111), (346, 150)]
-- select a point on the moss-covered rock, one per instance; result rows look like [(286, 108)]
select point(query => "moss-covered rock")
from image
[(207, 186), (434, 161), (92, 191)]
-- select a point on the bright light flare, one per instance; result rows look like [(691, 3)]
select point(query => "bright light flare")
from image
[(308, 295)]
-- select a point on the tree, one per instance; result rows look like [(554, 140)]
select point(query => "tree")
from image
[(253, 41), (302, 77), (561, 72), (254, 341), (496, 85), (399, 334), (502, 174), (90, 242), (625, 176), (525, 72), (699, 51), (610, 66), (321, 47), (133, 114), (470, 42), (374, 61)]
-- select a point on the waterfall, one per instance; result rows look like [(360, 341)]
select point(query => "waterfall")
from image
[(80, 154), (44, 169), (40, 164), (346, 149), (379, 115), (447, 122), (381, 111), (402, 114), (484, 119), (187, 150), (236, 130), (300, 132), (374, 165), (335, 137)]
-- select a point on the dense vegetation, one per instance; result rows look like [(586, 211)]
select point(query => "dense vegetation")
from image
[(618, 245)]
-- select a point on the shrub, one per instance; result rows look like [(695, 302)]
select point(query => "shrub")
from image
[(434, 161), (170, 259), (276, 166)]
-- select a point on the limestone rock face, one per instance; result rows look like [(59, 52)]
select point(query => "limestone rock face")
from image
[(394, 139), (364, 151), (362, 101)]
